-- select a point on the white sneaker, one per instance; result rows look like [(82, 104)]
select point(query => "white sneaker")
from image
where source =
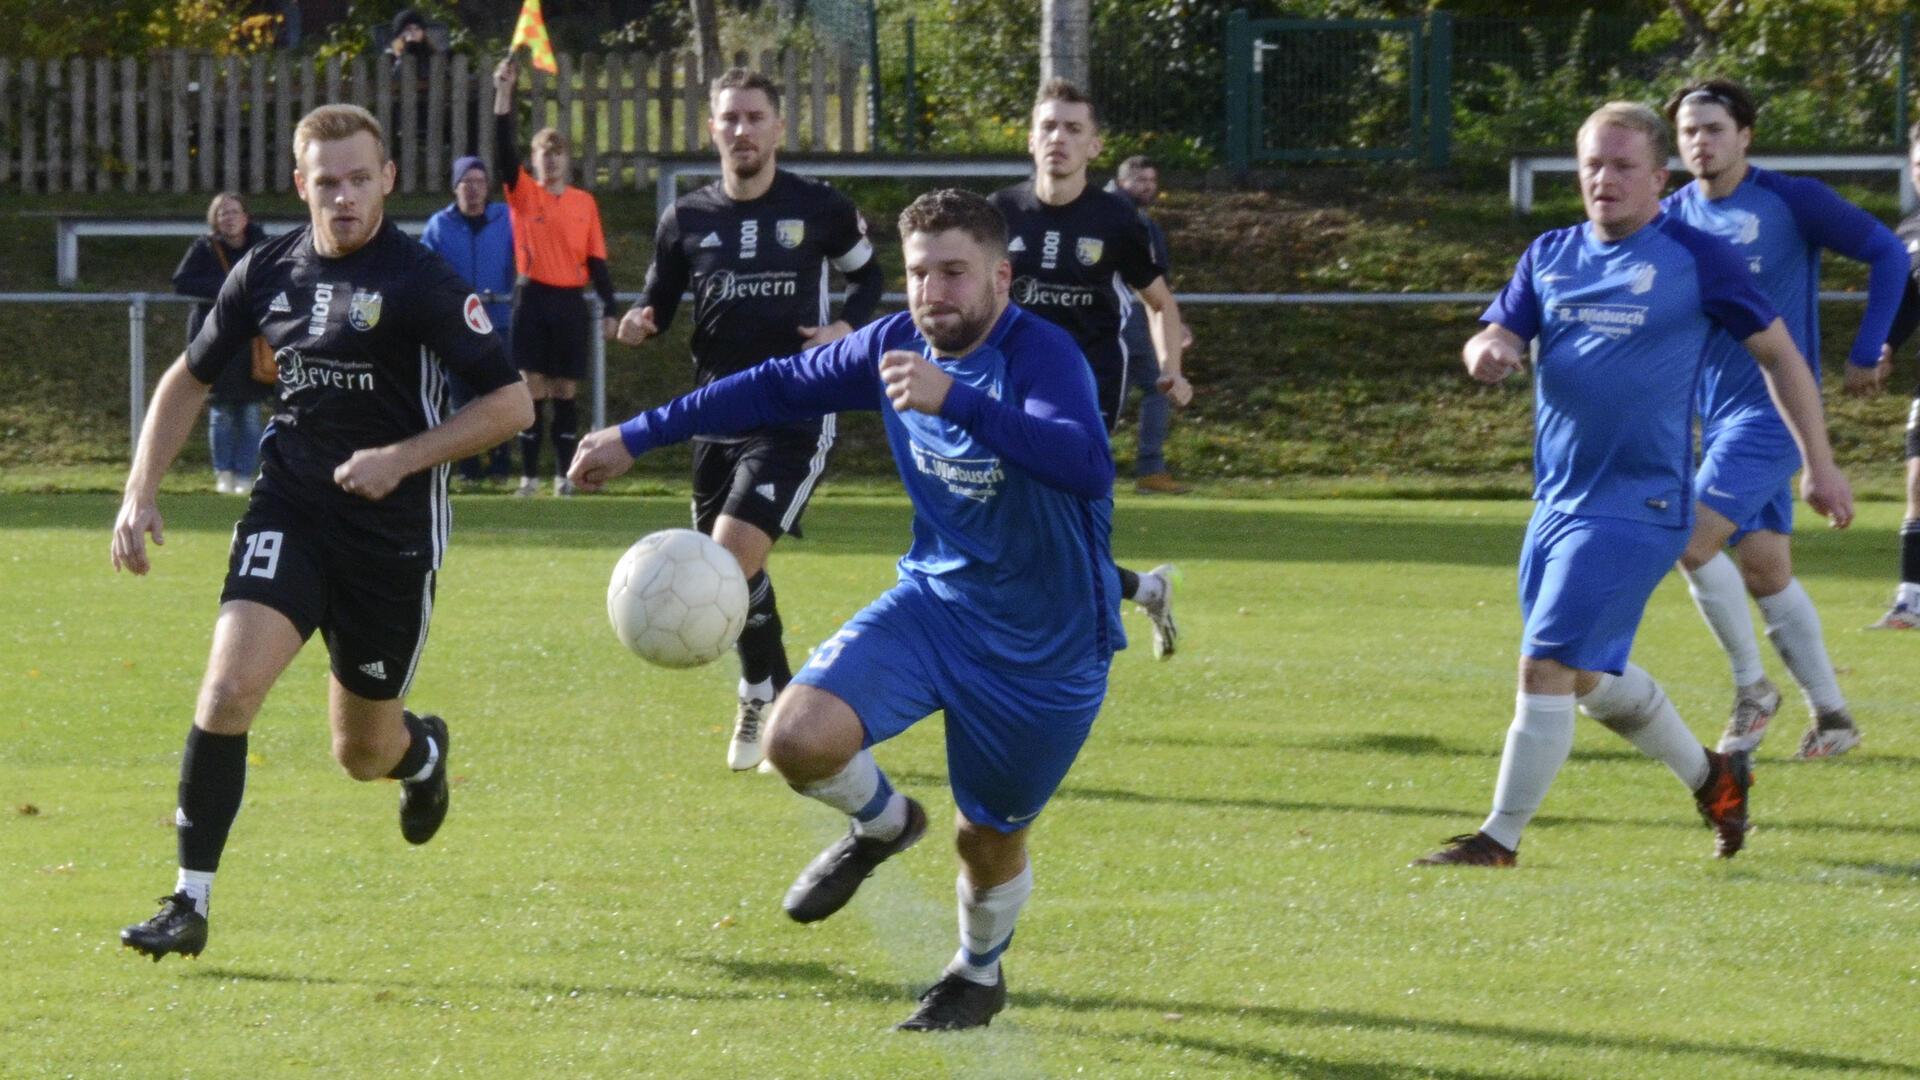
[(745, 750), (1828, 736), (562, 487), (1753, 709), (1165, 634), (529, 487), (243, 487), (1898, 617), (223, 482)]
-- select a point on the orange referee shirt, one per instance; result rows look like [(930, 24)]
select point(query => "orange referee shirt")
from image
[(554, 235)]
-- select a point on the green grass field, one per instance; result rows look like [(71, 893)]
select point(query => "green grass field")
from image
[(1222, 882)]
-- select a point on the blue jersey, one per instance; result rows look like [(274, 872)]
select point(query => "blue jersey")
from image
[(1012, 484), (1778, 224), (1623, 330)]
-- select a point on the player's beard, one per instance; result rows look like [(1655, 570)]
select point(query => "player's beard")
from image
[(748, 165), (968, 325)]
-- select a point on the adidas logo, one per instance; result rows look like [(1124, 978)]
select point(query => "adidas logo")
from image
[(1016, 245), (765, 491), (377, 669), (712, 240), (280, 306)]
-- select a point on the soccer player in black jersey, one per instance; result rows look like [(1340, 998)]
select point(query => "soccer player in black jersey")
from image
[(1079, 253), (345, 530), (755, 247), (1904, 614)]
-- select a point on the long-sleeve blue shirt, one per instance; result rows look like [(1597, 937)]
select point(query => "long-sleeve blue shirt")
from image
[(1778, 224), (1012, 484)]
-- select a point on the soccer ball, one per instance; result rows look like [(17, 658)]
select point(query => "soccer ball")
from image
[(677, 598)]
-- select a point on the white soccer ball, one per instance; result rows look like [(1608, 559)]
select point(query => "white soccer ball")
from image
[(677, 598)]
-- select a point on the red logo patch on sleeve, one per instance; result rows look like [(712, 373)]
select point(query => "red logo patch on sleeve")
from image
[(476, 314)]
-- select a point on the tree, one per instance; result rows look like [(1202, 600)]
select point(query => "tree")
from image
[(706, 38), (1063, 42)]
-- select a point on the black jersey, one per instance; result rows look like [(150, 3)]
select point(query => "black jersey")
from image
[(364, 344), (758, 270), (1076, 265)]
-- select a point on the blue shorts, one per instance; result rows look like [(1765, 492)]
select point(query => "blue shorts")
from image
[(1746, 476), (1584, 583), (1010, 737)]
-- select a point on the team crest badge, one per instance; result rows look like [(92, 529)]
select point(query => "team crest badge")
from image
[(475, 313), (364, 310), (1642, 282), (1089, 249), (790, 231)]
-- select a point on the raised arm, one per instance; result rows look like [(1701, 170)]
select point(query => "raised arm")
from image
[(506, 147)]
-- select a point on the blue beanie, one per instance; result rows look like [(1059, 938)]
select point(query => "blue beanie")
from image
[(461, 166)]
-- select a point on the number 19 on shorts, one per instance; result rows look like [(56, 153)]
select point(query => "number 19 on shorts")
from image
[(262, 556)]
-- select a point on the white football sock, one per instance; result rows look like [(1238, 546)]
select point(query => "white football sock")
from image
[(986, 925), (1538, 742), (433, 759), (1150, 590), (198, 885), (861, 791), (1794, 628), (761, 691), (1721, 596), (1908, 595), (1633, 706)]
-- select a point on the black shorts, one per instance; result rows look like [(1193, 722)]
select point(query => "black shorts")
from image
[(371, 611), (764, 480), (552, 331)]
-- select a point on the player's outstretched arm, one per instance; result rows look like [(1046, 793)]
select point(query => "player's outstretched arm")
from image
[(599, 457), (1168, 329), (175, 406), (487, 421), (1795, 394), (1493, 354)]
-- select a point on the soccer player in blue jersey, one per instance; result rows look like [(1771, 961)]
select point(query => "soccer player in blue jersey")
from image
[(1778, 225), (1622, 307), (1006, 612)]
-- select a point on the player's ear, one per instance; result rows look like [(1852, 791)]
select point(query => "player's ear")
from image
[(300, 183), (1094, 148), (1003, 278), (387, 175)]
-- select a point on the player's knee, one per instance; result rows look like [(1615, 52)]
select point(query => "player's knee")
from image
[(1700, 551), (989, 855), (361, 758), (228, 704), (803, 740), (1765, 579)]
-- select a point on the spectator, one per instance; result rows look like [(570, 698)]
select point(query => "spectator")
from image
[(233, 414), (412, 36), (475, 235), (1139, 180)]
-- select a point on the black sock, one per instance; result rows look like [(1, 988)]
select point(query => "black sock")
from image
[(1910, 551), (1129, 582), (566, 434), (763, 652), (213, 776), (418, 750), (530, 445)]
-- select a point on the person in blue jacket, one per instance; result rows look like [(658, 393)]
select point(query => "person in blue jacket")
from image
[(1006, 612), (475, 235), (1778, 225)]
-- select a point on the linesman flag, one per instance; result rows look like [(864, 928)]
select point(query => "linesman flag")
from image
[(531, 31)]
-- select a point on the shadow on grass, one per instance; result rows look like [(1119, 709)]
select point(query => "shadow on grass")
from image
[(1908, 872)]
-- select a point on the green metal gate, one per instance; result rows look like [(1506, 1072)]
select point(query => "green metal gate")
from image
[(1338, 89)]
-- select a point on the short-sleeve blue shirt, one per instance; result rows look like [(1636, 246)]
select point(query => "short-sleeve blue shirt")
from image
[(1623, 330)]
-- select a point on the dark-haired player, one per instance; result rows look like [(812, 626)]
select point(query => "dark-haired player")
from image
[(1079, 255), (1778, 224), (1004, 617), (344, 532), (755, 247)]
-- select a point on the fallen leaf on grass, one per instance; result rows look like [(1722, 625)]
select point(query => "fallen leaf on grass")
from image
[(27, 809)]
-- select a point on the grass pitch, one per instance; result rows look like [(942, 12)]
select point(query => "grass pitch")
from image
[(1222, 882)]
